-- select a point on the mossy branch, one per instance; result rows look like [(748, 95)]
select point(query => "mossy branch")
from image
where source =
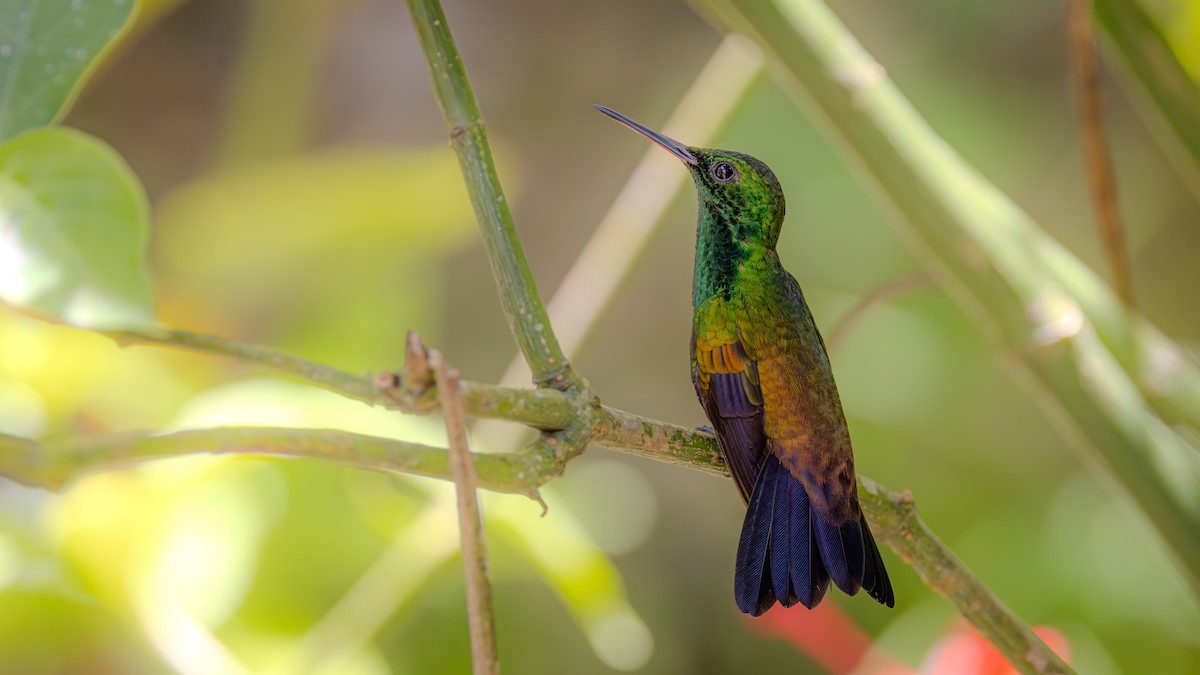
[(540, 409)]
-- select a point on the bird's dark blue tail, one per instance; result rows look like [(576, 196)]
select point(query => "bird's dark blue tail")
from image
[(789, 552)]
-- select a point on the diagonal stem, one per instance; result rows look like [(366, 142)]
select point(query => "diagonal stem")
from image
[(896, 517)]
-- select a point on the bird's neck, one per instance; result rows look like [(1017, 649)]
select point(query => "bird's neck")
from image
[(723, 263)]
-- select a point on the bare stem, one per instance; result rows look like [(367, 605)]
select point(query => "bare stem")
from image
[(1089, 97), (527, 318), (474, 547)]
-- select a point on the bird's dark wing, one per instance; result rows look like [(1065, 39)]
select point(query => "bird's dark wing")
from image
[(726, 381)]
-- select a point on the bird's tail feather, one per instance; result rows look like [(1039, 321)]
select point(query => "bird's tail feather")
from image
[(789, 553)]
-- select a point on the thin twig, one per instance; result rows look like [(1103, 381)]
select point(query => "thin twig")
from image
[(527, 318), (474, 547), (1089, 97)]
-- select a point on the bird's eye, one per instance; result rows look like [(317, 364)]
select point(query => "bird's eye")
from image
[(723, 172)]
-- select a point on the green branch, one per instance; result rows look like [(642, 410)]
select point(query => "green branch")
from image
[(527, 318), (540, 409), (1108, 373), (53, 465)]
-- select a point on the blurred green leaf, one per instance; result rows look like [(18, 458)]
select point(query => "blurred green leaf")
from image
[(47, 47), (73, 230), (308, 248), (276, 217)]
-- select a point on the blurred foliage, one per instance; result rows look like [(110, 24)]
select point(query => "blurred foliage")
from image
[(46, 46), (311, 244), (322, 218), (75, 223), (73, 218)]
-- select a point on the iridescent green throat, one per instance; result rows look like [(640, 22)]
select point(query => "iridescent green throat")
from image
[(738, 223)]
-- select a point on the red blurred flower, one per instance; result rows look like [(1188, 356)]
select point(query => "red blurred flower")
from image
[(828, 637), (965, 652), (840, 646)]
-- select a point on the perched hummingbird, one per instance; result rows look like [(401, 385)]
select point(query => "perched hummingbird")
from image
[(761, 372)]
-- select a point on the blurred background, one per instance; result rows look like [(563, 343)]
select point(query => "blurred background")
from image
[(305, 197)]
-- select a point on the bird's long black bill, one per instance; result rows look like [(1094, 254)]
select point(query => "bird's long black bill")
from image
[(669, 144)]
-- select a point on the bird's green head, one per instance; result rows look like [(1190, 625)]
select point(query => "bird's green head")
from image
[(736, 189)]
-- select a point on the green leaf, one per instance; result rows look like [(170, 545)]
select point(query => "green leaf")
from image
[(47, 47), (73, 230)]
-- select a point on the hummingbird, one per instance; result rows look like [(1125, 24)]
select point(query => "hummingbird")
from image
[(762, 374)]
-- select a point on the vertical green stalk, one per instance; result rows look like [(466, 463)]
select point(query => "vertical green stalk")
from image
[(527, 318)]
